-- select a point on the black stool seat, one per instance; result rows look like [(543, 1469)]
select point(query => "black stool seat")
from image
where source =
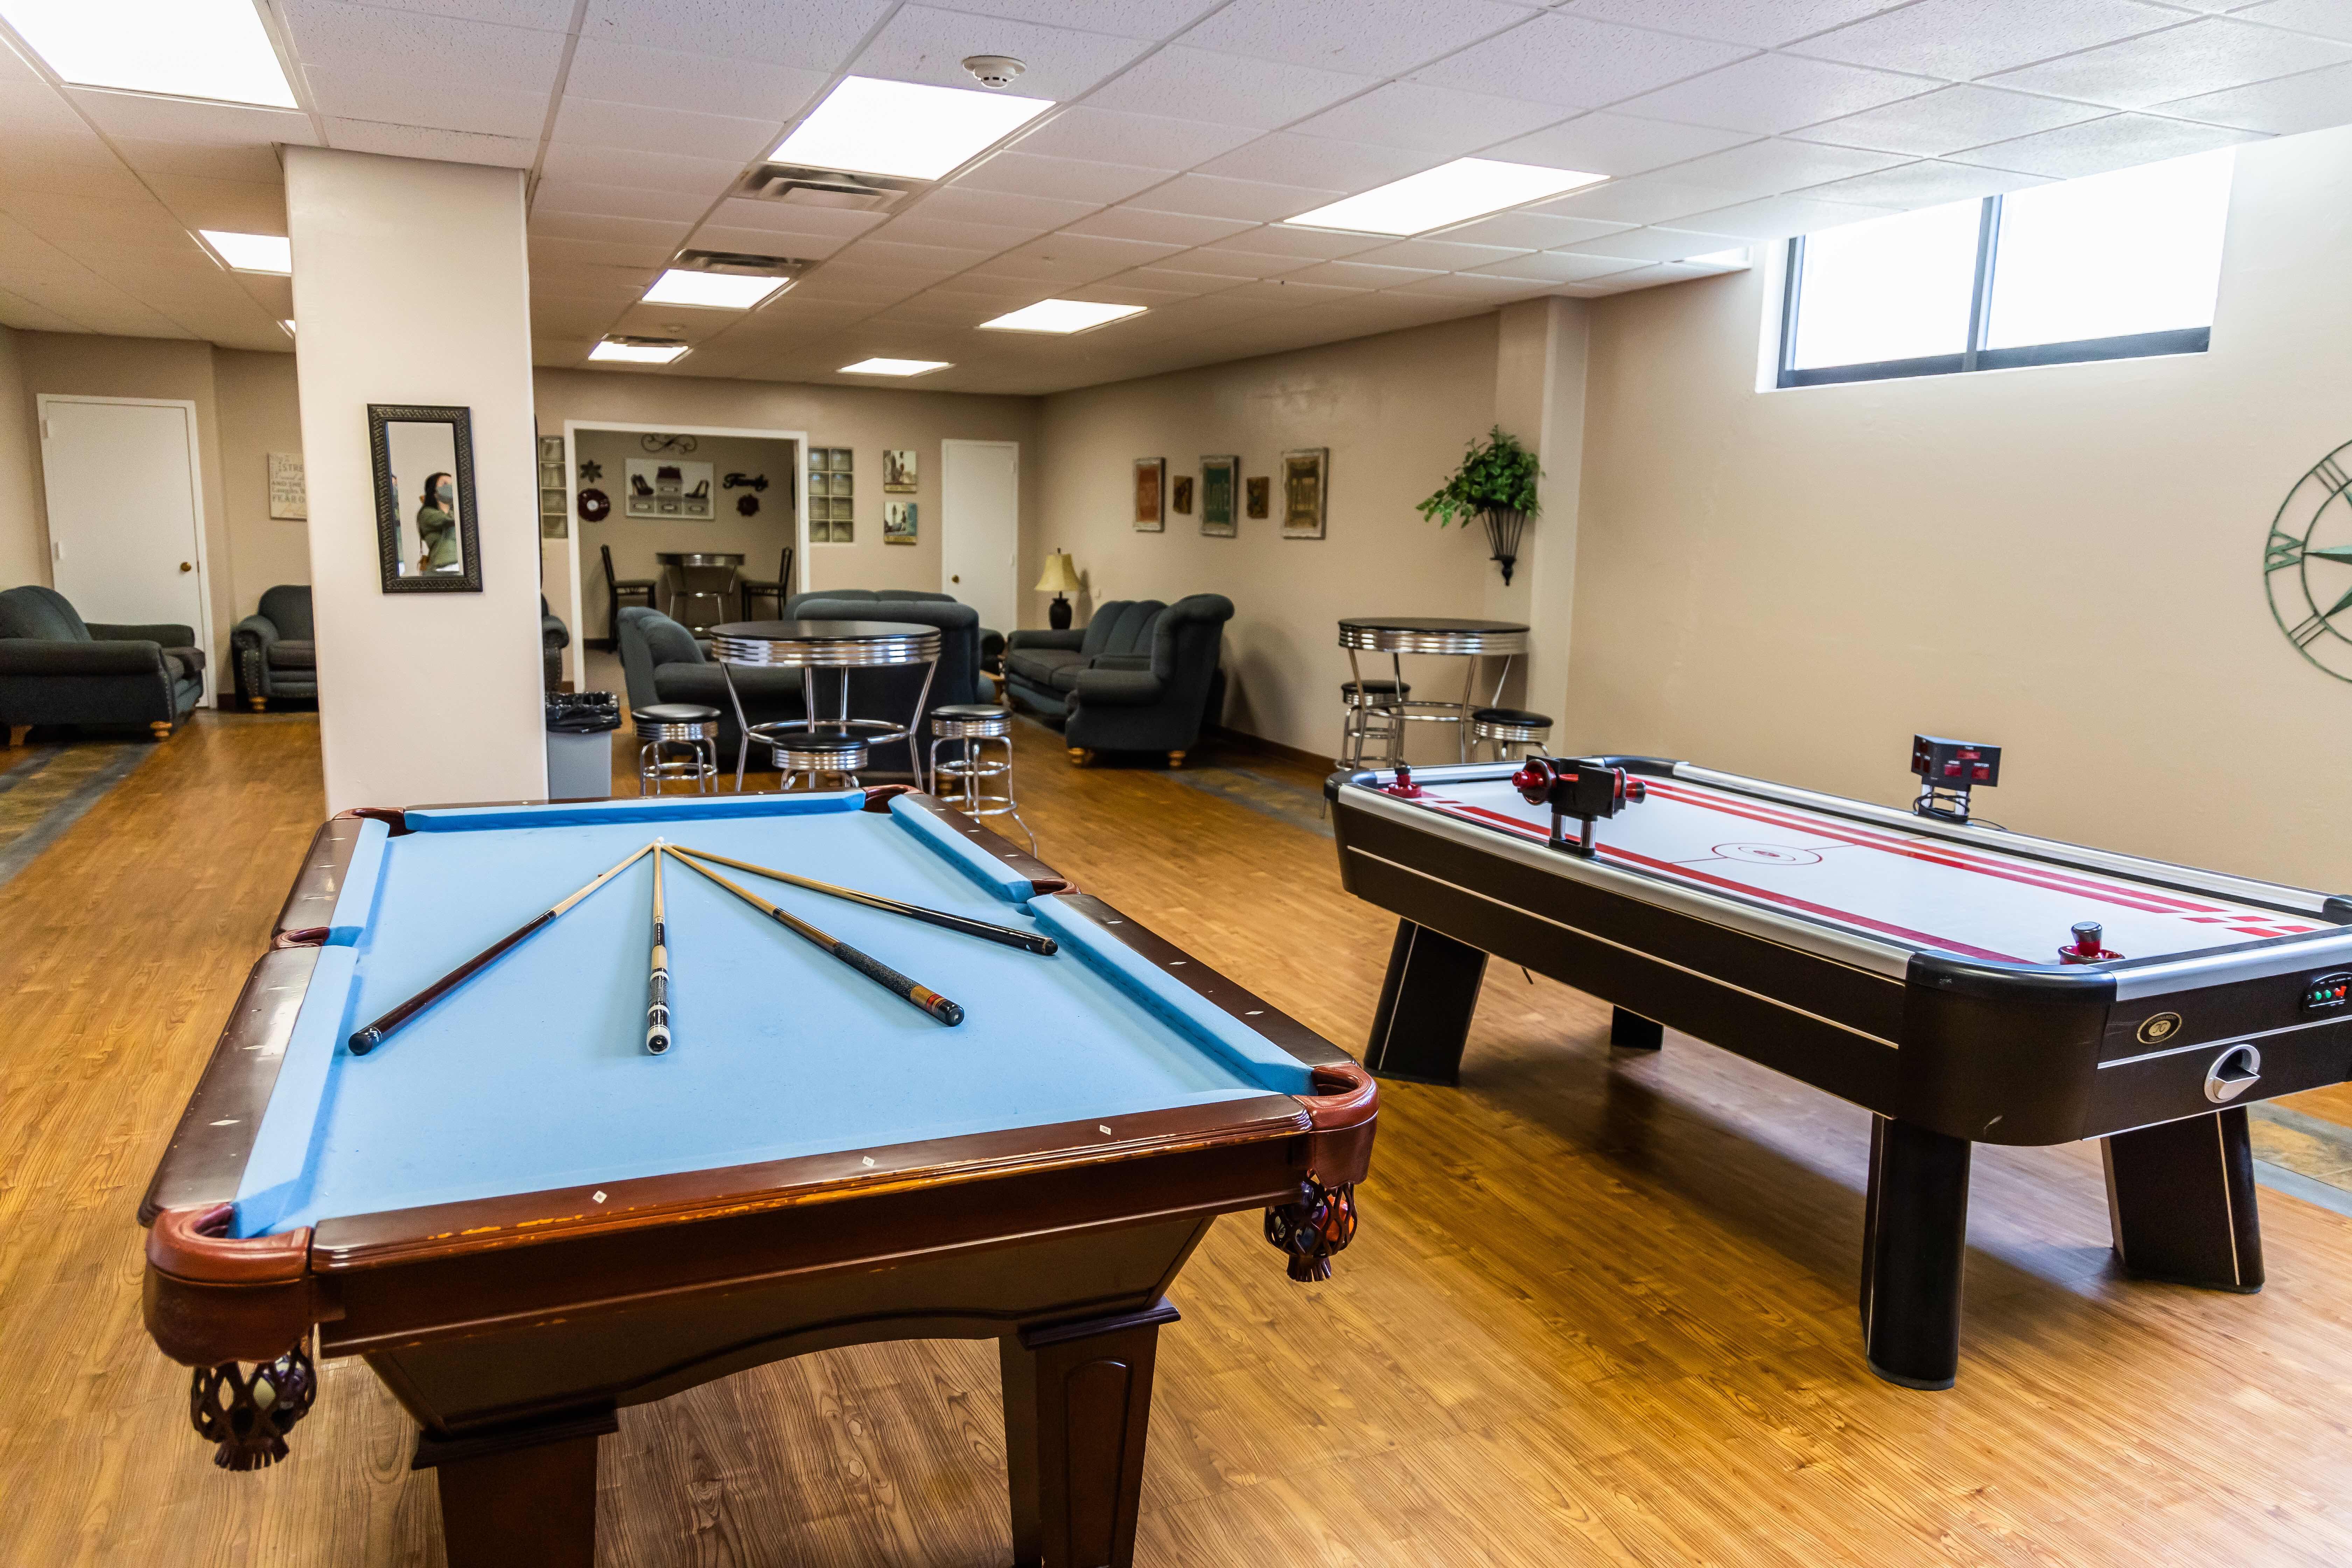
[(1519, 718), (970, 711), (675, 713), (835, 738), (1376, 688)]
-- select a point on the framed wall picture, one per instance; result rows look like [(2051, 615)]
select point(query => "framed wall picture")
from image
[(1220, 478), (899, 523), (898, 471), (1258, 489), (668, 487), (1181, 496), (1305, 476), (290, 497), (1150, 495)]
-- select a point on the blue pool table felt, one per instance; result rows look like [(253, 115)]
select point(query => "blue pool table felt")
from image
[(533, 1074)]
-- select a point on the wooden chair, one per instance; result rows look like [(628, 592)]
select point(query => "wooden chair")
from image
[(617, 591), (779, 589)]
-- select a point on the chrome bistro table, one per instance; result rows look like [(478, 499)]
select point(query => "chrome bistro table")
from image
[(699, 575), (813, 647), (1397, 636)]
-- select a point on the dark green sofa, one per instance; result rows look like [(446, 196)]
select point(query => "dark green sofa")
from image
[(57, 669), (1141, 677)]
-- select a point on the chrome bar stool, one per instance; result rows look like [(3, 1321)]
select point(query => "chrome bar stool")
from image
[(686, 724), (1505, 728), (968, 781), (1371, 722), (830, 756)]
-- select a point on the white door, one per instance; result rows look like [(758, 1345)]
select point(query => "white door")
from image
[(980, 528), (126, 530)]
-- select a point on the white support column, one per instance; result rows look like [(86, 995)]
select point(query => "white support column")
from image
[(410, 286), (1539, 397)]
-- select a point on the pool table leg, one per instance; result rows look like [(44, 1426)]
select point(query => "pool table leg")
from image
[(1426, 1002), (519, 1498), (1914, 1238), (2180, 1195), (1077, 1400)]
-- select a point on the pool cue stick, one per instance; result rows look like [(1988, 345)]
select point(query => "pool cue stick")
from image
[(375, 1035), (881, 974), (1008, 935), (657, 983)]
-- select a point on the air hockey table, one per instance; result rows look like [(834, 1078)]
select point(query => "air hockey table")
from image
[(1909, 965)]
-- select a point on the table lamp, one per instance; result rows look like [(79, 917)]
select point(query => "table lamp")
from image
[(1061, 577)]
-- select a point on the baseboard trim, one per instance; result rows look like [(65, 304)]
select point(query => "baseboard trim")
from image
[(1259, 743)]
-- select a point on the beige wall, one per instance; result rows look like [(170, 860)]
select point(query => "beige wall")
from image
[(23, 542), (1395, 411), (2064, 560), (259, 413), (864, 419), (636, 541)]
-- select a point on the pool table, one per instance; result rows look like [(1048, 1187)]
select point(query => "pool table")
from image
[(523, 1220)]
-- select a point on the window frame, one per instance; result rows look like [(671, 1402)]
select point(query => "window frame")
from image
[(1976, 356)]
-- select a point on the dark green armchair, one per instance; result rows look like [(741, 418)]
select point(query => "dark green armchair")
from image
[(274, 650), (56, 668)]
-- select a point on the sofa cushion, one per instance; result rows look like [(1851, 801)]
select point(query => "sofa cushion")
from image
[(191, 659), (288, 607), (33, 611), (293, 653), (1123, 626), (1036, 664)]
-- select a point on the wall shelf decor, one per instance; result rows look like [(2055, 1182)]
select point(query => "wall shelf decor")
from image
[(832, 496)]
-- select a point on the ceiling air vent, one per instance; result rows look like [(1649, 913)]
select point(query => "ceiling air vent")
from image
[(826, 188), (740, 264)]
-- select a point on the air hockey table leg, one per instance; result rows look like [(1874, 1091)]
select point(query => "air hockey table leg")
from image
[(1426, 1000), (2180, 1196), (1913, 1241), (1633, 1032)]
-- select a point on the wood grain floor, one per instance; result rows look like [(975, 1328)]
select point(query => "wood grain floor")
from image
[(1602, 1311)]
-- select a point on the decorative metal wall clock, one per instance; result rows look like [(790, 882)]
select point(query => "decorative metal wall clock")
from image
[(2308, 564)]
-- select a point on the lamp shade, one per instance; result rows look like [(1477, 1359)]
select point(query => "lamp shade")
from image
[(1061, 575)]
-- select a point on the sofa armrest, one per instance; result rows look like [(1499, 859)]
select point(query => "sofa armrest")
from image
[(1119, 688), (254, 631), (1074, 639), (42, 655), (553, 634), (991, 650), (162, 634)]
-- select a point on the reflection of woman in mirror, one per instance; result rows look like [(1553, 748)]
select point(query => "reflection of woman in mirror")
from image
[(436, 525)]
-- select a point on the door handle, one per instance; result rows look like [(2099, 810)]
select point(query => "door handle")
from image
[(187, 566), (958, 578)]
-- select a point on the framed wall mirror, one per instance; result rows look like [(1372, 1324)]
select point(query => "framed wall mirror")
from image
[(424, 527)]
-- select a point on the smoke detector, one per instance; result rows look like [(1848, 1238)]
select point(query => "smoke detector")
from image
[(994, 70)]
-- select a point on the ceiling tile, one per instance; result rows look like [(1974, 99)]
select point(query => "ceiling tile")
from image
[(472, 107), (1445, 254), (1376, 37), (1963, 39), (1361, 274), (1424, 118), (1763, 23), (1948, 120), (1559, 266), (819, 37), (939, 260), (1606, 143), (680, 133), (1776, 218), (1925, 184), (1224, 261), (925, 44), (1289, 293), (548, 15), (1224, 89), (1642, 278), (2097, 145), (419, 141), (240, 207), (2312, 101), (1111, 291), (1312, 244), (1529, 230), (1018, 174), (187, 121), (1167, 228), (1578, 64), (920, 226), (1205, 195), (252, 163), (621, 230), (647, 171), (617, 201), (617, 72), (1075, 258), (16, 311), (1658, 245), (1141, 141), (1648, 198), (766, 241), (966, 203), (2328, 18), (2210, 55), (1772, 93), (1471, 285), (1319, 162), (980, 285), (1767, 168), (1132, 19), (605, 253), (358, 41), (1167, 279)]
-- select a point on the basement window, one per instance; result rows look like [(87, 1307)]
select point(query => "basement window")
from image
[(2115, 265)]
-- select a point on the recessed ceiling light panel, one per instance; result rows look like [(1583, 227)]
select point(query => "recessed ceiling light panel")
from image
[(252, 252), (894, 366), (182, 48), (289, 326), (1449, 193), (636, 351), (1060, 316), (874, 127), (712, 290)]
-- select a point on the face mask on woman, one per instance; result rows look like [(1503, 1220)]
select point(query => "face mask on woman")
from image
[(443, 493)]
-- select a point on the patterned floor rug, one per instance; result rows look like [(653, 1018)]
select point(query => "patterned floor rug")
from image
[(44, 789)]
